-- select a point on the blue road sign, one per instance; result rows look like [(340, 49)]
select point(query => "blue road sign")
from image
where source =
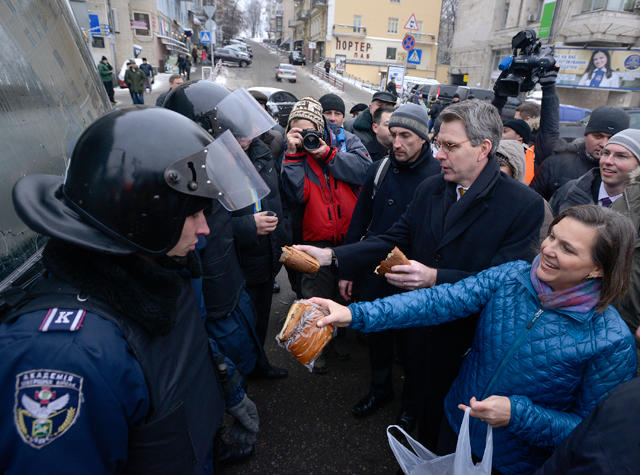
[(408, 42), (414, 56), (205, 37)]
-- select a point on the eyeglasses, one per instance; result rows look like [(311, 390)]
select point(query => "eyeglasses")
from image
[(448, 146), (605, 154)]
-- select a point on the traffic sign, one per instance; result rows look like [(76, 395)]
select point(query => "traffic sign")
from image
[(408, 42), (415, 56), (412, 23), (205, 37)]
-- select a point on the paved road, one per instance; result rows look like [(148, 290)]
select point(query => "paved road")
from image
[(306, 422)]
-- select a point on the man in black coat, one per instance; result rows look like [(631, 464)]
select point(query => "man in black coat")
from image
[(575, 159), (388, 189), (362, 125), (466, 220), (259, 234)]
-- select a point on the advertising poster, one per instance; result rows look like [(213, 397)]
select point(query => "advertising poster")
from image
[(396, 72), (601, 68), (341, 61)]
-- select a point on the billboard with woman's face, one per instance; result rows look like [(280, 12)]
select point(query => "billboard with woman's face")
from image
[(597, 67)]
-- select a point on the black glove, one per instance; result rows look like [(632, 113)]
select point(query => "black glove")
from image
[(548, 77)]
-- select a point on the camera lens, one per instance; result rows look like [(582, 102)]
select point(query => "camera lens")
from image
[(311, 142)]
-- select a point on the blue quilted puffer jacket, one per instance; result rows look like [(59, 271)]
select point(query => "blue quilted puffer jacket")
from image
[(554, 366)]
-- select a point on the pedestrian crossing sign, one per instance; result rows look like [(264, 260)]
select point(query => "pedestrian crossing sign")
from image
[(205, 37), (414, 56), (412, 23)]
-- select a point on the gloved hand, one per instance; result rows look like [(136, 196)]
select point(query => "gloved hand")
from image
[(548, 77), (246, 414), (238, 435)]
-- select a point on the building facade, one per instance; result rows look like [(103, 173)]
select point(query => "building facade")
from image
[(368, 33), (483, 32), (155, 29)]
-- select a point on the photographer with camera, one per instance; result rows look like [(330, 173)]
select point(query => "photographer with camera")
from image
[(323, 184), (532, 63)]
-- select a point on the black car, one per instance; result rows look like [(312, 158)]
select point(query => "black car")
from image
[(297, 57), (228, 55), (279, 103)]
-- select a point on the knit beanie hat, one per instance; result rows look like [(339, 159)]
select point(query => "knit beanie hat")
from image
[(513, 152), (629, 139), (521, 128), (608, 120), (413, 117), (332, 102), (307, 108)]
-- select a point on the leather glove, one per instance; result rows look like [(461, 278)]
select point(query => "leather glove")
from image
[(238, 435), (246, 414), (548, 77)]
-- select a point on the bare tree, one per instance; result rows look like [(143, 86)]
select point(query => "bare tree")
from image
[(254, 15), (231, 20), (447, 28)]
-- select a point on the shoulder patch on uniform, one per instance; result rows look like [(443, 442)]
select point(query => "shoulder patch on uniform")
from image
[(62, 320), (47, 403)]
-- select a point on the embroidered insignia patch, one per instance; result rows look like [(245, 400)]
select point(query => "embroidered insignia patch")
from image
[(62, 320), (47, 404)]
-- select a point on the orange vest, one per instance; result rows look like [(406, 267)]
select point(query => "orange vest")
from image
[(529, 170)]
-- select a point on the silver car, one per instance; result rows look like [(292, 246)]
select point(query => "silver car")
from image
[(285, 71)]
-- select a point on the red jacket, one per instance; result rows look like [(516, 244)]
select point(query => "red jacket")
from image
[(328, 189)]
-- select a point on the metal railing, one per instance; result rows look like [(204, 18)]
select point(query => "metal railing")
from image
[(322, 74)]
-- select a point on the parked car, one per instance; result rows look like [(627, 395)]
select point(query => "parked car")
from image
[(285, 71), (242, 48), (279, 103), (297, 57), (444, 92), (478, 93), (228, 55)]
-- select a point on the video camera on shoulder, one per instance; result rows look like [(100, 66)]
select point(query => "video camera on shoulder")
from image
[(311, 139), (530, 60)]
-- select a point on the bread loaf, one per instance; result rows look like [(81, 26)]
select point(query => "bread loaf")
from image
[(300, 335), (298, 260), (395, 258)]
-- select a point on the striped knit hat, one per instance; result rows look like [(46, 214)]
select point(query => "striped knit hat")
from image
[(413, 117), (307, 108), (629, 139)]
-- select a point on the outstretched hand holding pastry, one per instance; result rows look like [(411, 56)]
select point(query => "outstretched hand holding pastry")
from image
[(339, 315)]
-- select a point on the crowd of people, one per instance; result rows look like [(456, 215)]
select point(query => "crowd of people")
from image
[(519, 299)]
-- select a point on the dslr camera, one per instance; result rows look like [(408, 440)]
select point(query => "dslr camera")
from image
[(311, 139), (530, 60)]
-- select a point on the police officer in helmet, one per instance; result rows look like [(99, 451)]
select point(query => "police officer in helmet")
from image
[(105, 360)]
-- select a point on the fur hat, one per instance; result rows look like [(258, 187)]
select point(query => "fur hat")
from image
[(307, 108), (512, 151)]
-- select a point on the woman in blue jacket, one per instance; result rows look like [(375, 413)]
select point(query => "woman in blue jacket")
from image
[(548, 346)]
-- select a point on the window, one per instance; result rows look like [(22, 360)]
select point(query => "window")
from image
[(141, 24), (499, 55), (357, 23), (614, 5), (419, 26), (395, 1), (97, 41), (506, 14), (391, 53), (392, 25)]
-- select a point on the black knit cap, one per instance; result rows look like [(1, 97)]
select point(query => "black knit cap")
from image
[(521, 128), (332, 102), (359, 107), (607, 120), (413, 117)]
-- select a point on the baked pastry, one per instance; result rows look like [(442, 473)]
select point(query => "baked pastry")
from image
[(300, 335), (298, 260), (395, 258)]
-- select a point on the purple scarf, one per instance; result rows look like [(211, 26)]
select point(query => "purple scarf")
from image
[(581, 298)]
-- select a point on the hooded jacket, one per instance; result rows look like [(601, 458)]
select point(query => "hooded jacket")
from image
[(569, 161), (327, 188), (553, 365)]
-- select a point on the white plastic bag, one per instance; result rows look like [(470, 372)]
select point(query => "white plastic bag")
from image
[(421, 461)]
